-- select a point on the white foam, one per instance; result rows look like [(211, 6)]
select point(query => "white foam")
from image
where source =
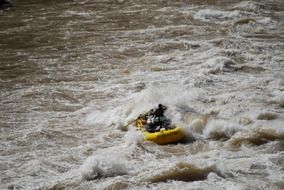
[(189, 134), (235, 186), (77, 13), (278, 97), (249, 6), (133, 136), (107, 163), (139, 103), (266, 21), (216, 64), (221, 128), (217, 15), (198, 125)]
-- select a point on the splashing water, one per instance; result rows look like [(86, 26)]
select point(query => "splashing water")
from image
[(74, 74)]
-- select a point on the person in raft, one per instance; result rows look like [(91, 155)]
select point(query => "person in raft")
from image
[(156, 119)]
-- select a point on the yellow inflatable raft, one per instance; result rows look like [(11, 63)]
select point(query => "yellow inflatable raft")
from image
[(161, 137)]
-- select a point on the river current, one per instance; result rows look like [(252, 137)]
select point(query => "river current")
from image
[(74, 73)]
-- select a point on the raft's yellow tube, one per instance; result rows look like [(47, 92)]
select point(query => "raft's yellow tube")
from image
[(160, 137), (165, 136)]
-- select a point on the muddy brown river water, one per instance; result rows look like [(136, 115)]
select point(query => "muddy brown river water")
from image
[(73, 73)]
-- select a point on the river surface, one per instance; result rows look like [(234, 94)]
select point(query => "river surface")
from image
[(74, 73)]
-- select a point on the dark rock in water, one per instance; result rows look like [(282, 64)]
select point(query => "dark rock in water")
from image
[(4, 4)]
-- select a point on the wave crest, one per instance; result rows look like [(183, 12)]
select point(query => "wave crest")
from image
[(184, 172)]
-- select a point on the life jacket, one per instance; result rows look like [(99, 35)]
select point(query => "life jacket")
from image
[(151, 120)]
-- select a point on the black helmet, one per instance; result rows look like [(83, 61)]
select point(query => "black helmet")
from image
[(160, 105)]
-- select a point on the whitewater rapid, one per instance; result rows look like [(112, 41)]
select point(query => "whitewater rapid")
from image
[(74, 74)]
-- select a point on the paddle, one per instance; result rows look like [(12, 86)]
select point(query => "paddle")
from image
[(136, 119), (130, 123)]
